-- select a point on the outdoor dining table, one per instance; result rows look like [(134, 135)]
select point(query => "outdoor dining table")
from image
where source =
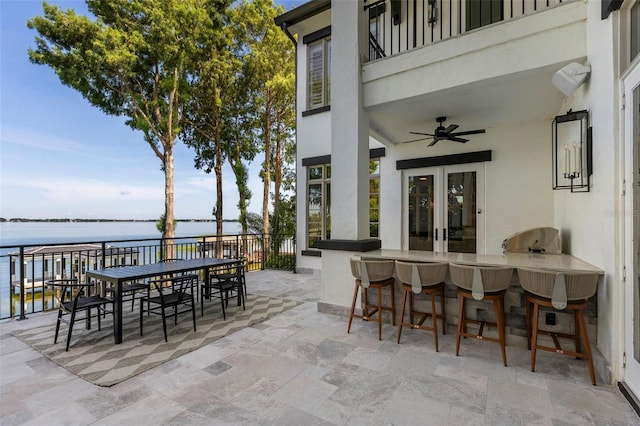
[(118, 276)]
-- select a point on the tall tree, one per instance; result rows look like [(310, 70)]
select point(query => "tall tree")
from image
[(132, 61), (271, 60)]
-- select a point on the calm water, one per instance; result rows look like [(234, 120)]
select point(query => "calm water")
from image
[(19, 233), (42, 233)]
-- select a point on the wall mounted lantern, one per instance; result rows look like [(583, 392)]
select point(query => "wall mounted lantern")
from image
[(572, 151)]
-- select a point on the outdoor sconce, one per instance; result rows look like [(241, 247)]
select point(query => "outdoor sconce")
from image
[(572, 148)]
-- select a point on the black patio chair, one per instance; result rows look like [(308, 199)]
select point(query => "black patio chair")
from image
[(224, 284), (130, 289), (173, 292), (74, 297)]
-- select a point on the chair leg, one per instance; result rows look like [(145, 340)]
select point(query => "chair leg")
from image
[(411, 307), (193, 313), (528, 321), (497, 306), (460, 321), (365, 304), (71, 321), (577, 330), (55, 338), (224, 313), (353, 307), (587, 346), (380, 313), (434, 316), (393, 304), (141, 312), (404, 301), (202, 304), (534, 337), (164, 323), (444, 316)]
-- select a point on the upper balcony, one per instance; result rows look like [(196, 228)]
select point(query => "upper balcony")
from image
[(397, 26), (490, 60)]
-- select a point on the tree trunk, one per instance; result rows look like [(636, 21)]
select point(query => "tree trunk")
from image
[(218, 172), (169, 227), (267, 164)]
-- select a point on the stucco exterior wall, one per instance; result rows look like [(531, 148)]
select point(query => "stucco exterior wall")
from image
[(518, 192), (589, 221)]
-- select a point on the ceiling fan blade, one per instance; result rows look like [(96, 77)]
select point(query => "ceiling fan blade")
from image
[(469, 132), (451, 128), (435, 141), (423, 134), (455, 139), (417, 140)]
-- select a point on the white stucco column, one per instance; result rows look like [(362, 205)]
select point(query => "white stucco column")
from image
[(349, 123), (349, 156)]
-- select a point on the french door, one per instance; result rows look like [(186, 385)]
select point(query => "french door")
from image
[(443, 209), (632, 229)]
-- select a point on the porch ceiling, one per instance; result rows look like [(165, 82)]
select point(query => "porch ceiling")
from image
[(526, 96)]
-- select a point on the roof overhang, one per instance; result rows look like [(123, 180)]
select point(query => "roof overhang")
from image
[(301, 13)]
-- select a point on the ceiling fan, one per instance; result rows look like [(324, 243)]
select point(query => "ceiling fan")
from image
[(446, 133)]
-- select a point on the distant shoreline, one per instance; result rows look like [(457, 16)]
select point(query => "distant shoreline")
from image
[(13, 220)]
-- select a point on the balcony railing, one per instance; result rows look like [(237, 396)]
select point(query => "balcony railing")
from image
[(24, 269), (396, 26)]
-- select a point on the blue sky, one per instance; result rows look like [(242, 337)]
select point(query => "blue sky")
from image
[(61, 157)]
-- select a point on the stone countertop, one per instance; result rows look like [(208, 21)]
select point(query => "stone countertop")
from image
[(553, 262)]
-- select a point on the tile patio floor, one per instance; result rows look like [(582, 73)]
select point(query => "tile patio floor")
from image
[(302, 368)]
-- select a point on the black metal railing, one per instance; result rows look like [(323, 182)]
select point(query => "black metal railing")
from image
[(396, 26), (26, 268)]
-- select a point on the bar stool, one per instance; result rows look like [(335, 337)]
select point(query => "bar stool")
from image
[(561, 291), (373, 274), (481, 283), (422, 278)]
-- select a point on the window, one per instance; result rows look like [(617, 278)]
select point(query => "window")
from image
[(319, 202), (319, 71)]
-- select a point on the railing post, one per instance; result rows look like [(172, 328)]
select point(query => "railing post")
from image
[(104, 254), (161, 249), (264, 251), (295, 255), (22, 280)]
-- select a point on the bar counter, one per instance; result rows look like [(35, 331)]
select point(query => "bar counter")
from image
[(514, 299), (553, 262)]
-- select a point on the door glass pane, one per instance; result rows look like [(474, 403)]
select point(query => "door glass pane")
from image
[(636, 224), (421, 211), (461, 212)]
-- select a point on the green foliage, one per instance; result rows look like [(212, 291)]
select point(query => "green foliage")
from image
[(133, 60), (254, 223), (284, 262), (162, 223)]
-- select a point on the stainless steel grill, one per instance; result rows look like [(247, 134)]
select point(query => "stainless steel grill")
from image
[(536, 240)]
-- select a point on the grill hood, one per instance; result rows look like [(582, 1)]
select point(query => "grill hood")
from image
[(536, 240)]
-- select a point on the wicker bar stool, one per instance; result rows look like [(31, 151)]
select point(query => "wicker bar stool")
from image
[(422, 278), (561, 291), (373, 274), (481, 283)]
